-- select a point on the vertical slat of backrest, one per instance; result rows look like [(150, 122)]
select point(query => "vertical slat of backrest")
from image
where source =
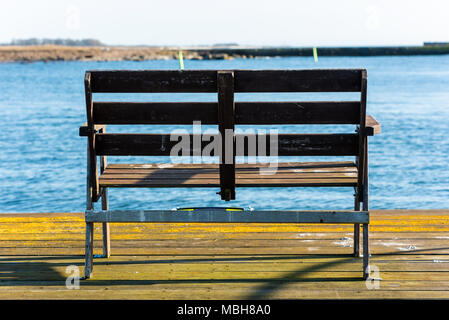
[(226, 111), (362, 137), (91, 138)]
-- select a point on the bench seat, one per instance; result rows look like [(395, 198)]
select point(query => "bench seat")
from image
[(288, 174)]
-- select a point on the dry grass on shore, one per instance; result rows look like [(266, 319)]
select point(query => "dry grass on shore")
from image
[(107, 53)]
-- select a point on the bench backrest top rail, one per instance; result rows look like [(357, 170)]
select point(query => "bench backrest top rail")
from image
[(147, 81)]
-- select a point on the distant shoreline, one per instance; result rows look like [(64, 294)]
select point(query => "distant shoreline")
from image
[(49, 53)]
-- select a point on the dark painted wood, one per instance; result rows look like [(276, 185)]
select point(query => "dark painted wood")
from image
[(317, 144), (314, 80), (326, 165), (257, 113), (332, 112), (127, 144), (127, 81), (93, 176), (155, 112), (130, 144), (226, 109), (362, 135)]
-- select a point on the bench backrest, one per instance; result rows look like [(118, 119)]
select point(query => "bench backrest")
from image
[(225, 112)]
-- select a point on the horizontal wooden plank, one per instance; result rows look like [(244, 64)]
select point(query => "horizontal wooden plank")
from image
[(236, 264), (268, 250), (196, 175), (315, 144), (229, 228), (396, 260), (35, 238), (314, 80), (342, 171), (256, 113), (316, 165), (258, 290), (212, 183), (316, 112), (207, 216), (155, 112), (127, 144), (136, 81), (288, 144), (170, 174), (160, 183)]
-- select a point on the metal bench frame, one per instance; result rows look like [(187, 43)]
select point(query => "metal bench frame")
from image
[(225, 83)]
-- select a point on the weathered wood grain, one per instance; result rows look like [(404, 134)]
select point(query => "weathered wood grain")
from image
[(256, 113), (129, 144), (226, 126), (225, 261), (188, 175), (127, 81), (221, 216)]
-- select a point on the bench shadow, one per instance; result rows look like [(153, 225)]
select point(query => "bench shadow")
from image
[(41, 270), (21, 270), (26, 271)]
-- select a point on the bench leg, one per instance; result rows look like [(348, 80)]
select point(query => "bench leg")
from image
[(106, 241), (356, 231), (365, 231), (357, 240), (106, 232), (365, 252), (88, 267)]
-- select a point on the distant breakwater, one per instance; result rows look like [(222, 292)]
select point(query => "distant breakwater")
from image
[(328, 51), (49, 53)]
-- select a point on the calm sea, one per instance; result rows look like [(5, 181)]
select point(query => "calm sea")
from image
[(42, 159)]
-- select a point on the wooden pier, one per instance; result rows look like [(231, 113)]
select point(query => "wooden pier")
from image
[(410, 250)]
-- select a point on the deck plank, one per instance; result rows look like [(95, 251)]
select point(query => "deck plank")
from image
[(226, 261)]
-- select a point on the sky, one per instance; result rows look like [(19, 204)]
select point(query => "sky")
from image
[(206, 22)]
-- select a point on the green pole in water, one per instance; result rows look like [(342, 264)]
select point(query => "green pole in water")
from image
[(315, 54), (181, 60)]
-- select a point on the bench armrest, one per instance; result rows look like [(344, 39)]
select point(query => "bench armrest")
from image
[(372, 126), (84, 130)]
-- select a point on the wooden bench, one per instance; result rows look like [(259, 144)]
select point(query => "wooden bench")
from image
[(226, 114)]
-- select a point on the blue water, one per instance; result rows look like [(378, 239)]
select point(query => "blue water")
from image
[(42, 159)]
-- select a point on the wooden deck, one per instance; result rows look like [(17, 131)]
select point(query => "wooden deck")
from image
[(198, 261)]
